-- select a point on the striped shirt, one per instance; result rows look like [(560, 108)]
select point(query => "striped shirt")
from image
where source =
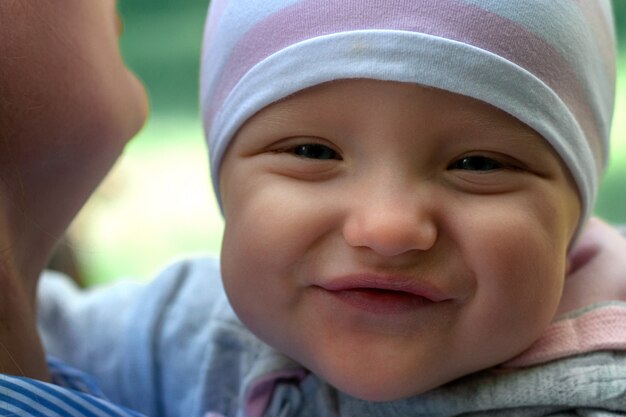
[(72, 394)]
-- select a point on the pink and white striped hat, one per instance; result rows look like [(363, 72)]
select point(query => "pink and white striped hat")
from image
[(549, 63)]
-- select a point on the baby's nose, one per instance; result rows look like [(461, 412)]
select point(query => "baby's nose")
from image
[(392, 227)]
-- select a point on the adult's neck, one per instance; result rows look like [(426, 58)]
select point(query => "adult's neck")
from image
[(23, 254)]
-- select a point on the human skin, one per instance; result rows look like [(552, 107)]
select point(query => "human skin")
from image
[(68, 105), (392, 237)]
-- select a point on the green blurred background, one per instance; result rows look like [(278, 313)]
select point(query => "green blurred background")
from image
[(157, 203)]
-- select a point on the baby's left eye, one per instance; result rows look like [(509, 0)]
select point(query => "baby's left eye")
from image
[(476, 163), (315, 151)]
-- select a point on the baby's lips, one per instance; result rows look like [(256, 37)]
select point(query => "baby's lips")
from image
[(395, 283)]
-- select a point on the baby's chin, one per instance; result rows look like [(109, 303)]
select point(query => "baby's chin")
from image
[(378, 388), (382, 383)]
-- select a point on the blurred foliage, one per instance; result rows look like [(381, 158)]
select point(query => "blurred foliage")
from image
[(611, 203), (161, 43), (619, 9)]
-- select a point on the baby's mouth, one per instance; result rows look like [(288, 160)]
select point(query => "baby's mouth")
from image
[(382, 294), (381, 301)]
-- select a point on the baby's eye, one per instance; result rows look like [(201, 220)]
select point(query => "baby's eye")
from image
[(315, 151), (476, 163)]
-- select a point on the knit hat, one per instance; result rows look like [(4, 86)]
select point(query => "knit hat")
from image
[(549, 63)]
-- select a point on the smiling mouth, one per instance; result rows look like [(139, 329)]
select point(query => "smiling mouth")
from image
[(380, 301)]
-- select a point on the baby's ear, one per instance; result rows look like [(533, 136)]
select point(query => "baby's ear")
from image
[(596, 269)]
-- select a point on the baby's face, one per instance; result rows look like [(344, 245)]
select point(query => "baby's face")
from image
[(392, 238)]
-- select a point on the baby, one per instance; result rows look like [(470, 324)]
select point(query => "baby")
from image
[(406, 187)]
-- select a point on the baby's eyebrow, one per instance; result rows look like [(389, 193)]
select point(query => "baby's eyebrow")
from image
[(281, 116), (530, 144), (533, 141), (277, 119), (508, 127), (520, 135)]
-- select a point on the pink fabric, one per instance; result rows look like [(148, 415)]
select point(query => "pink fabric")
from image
[(597, 268), (598, 329), (261, 390)]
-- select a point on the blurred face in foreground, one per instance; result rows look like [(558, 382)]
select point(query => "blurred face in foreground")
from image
[(68, 105), (391, 237)]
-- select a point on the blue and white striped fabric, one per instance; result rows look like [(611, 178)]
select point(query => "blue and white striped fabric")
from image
[(73, 394)]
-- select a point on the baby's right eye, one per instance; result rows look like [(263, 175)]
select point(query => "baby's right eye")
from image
[(315, 151), (476, 163)]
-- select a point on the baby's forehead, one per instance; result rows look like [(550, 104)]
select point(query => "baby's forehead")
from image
[(335, 100), (335, 106)]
